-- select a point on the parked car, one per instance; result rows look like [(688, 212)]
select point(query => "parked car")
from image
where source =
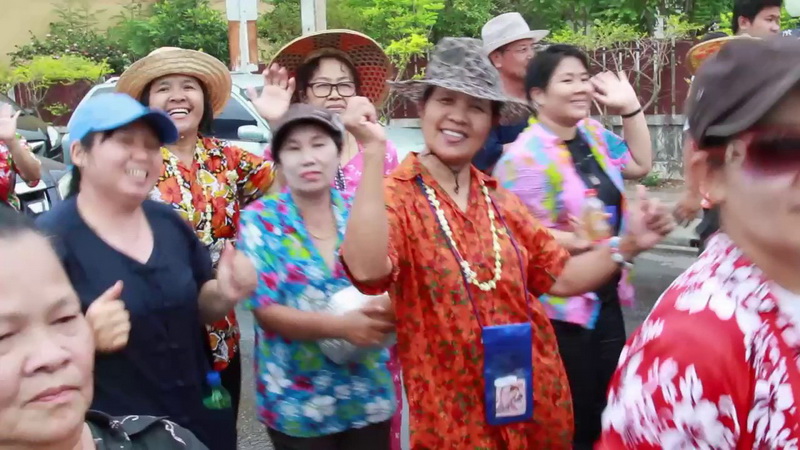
[(45, 141)]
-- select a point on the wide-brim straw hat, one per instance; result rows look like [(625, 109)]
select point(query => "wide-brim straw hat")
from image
[(211, 72), (704, 50), (366, 55), (460, 64)]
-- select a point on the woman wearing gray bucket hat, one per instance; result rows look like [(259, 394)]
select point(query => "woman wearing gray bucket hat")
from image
[(462, 260), (714, 365)]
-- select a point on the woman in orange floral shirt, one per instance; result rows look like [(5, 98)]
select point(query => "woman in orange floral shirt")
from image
[(207, 180), (462, 259)]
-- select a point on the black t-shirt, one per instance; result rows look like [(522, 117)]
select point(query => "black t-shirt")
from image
[(139, 433), (162, 370), (596, 178)]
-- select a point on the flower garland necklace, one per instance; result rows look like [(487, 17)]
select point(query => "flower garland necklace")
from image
[(466, 269), (204, 233)]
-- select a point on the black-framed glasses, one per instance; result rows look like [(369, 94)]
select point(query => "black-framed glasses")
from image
[(322, 90)]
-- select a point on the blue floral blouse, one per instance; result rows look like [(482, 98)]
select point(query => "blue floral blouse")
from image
[(300, 392)]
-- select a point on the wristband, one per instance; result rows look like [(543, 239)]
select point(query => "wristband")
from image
[(613, 245), (635, 113)]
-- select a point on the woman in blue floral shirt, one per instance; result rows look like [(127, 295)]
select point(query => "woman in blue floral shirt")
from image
[(306, 400)]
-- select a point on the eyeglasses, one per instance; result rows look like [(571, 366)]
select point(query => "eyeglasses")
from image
[(322, 90)]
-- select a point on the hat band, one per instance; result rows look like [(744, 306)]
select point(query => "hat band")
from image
[(328, 51)]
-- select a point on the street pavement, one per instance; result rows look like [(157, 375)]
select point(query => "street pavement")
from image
[(654, 271)]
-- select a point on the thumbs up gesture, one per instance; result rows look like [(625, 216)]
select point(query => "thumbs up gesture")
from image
[(110, 321)]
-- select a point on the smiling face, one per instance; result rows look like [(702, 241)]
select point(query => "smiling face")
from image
[(567, 98), (331, 85), (309, 158), (182, 98), (124, 164), (46, 348), (512, 59), (455, 125)]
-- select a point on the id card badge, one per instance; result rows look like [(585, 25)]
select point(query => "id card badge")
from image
[(613, 216), (508, 373)]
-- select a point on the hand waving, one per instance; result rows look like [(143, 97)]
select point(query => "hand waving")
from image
[(650, 221), (109, 320), (276, 96), (361, 120), (615, 91), (8, 122), (236, 275)]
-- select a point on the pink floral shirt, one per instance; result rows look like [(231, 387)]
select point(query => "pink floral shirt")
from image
[(8, 175), (353, 170), (714, 365)]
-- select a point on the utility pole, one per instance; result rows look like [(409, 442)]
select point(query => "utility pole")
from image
[(243, 34), (313, 15)]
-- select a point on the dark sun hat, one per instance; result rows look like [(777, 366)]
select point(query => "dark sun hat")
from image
[(460, 64)]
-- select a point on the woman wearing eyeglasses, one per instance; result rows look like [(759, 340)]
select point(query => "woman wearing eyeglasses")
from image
[(326, 70)]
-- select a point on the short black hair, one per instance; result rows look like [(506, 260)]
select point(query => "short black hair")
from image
[(426, 95), (87, 142), (749, 9), (279, 138), (544, 64), (305, 72), (13, 223), (206, 126)]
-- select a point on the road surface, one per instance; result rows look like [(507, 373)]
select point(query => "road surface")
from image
[(653, 273)]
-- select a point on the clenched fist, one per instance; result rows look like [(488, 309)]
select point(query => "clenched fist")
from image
[(110, 321)]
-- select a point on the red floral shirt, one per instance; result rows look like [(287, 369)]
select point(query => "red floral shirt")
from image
[(209, 195), (714, 366), (8, 175), (438, 336)]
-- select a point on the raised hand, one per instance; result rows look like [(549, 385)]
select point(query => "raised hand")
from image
[(649, 220), (236, 275), (361, 120), (615, 91), (275, 98), (109, 320), (8, 122)]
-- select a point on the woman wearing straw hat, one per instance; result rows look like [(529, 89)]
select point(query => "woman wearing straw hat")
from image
[(206, 180), (326, 70), (463, 259)]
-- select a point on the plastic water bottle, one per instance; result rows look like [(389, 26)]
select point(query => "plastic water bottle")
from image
[(594, 218), (218, 398)]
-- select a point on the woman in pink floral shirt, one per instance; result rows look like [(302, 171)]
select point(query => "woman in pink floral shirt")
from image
[(15, 158), (326, 70), (550, 167)]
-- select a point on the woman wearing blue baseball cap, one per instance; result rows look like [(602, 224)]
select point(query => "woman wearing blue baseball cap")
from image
[(114, 242)]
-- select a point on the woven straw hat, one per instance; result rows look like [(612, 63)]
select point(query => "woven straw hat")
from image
[(702, 51), (177, 61), (369, 59), (460, 64)]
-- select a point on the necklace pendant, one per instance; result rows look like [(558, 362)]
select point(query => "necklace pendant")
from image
[(455, 189)]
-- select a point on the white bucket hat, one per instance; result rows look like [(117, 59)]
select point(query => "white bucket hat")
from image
[(507, 28)]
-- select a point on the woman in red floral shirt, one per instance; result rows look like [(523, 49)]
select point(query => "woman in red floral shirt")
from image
[(15, 158), (207, 180)]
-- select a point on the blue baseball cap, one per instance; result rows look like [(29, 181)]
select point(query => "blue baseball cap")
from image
[(107, 112)]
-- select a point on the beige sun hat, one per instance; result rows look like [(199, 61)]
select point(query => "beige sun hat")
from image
[(366, 55), (507, 28), (211, 72)]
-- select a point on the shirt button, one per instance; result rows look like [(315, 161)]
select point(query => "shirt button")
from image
[(180, 383), (174, 346)]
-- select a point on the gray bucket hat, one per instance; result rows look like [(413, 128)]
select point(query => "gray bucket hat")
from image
[(460, 64)]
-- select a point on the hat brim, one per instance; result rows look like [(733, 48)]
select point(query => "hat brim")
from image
[(371, 62), (704, 50), (159, 121), (536, 35), (511, 110), (211, 72), (280, 134)]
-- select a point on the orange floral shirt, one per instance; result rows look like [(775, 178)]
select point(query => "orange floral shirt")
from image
[(439, 342), (209, 195)]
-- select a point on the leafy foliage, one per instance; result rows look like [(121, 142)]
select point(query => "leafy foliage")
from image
[(191, 24)]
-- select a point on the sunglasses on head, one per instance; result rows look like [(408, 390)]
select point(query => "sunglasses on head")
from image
[(770, 150)]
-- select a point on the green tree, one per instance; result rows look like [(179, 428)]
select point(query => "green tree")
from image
[(190, 24)]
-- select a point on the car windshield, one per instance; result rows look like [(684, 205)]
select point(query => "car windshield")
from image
[(226, 125)]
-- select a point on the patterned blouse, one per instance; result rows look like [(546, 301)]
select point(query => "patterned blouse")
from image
[(8, 175), (300, 392), (539, 169), (714, 365), (209, 195), (139, 433), (438, 335)]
